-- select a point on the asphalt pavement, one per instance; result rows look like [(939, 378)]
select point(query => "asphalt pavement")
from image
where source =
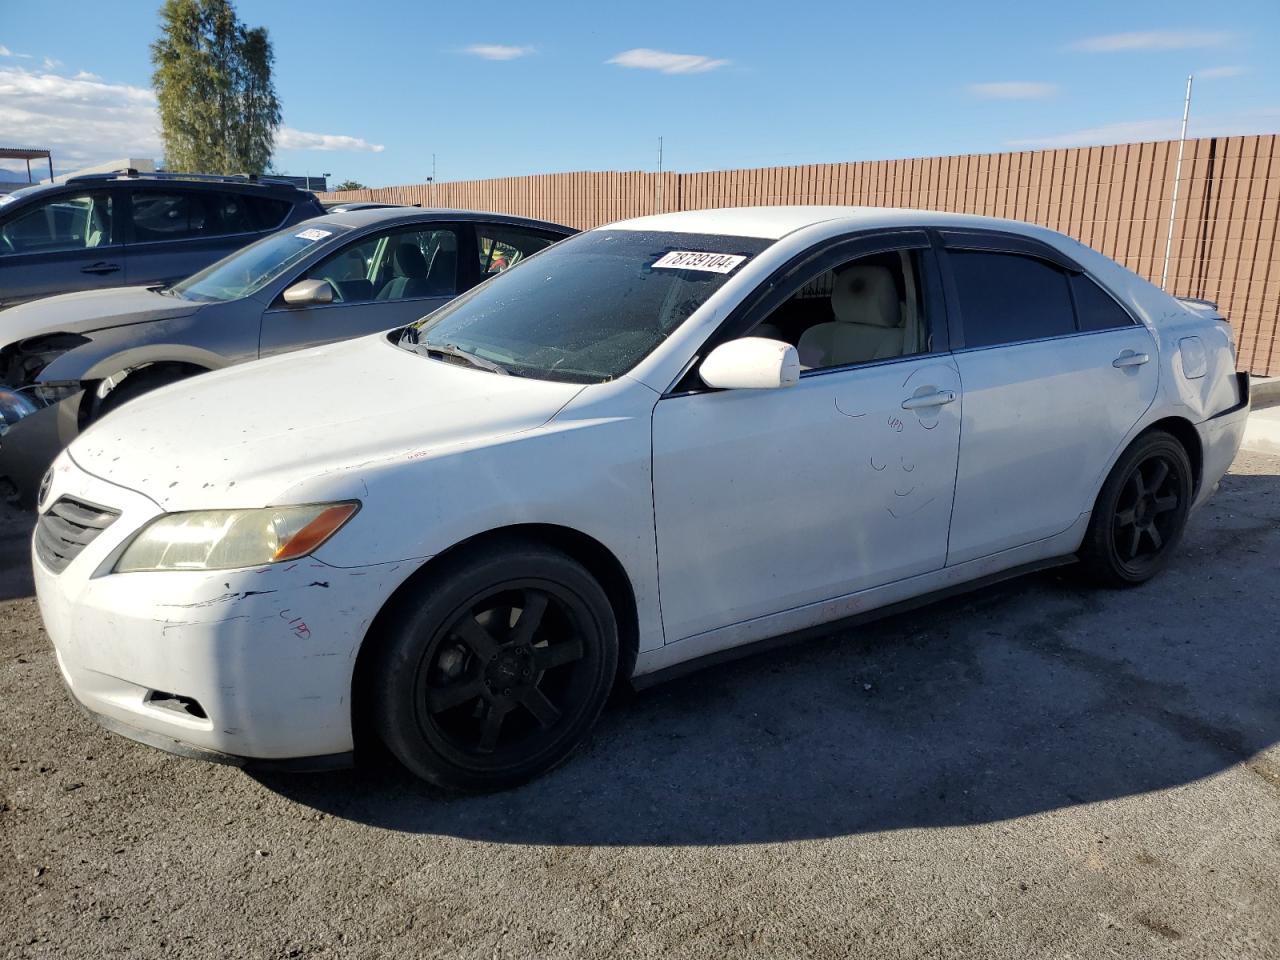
[(1038, 769)]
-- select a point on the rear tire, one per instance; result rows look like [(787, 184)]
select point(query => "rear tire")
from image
[(496, 670), (1140, 513)]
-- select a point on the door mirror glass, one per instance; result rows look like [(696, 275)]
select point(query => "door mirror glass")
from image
[(751, 363), (307, 293)]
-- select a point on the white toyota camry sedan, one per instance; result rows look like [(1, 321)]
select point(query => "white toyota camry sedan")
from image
[(651, 443)]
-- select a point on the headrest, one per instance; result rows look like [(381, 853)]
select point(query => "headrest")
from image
[(410, 261), (867, 295)]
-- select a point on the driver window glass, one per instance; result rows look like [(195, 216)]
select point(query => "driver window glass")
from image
[(867, 309), (79, 222), (400, 266)]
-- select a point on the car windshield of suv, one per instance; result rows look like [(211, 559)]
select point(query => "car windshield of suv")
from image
[(587, 309), (247, 271)]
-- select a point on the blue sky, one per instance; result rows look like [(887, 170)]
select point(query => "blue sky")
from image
[(371, 91)]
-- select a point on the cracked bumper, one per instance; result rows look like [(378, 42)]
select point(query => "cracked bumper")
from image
[(267, 654)]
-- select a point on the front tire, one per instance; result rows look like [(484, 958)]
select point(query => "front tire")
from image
[(1140, 513), (496, 671)]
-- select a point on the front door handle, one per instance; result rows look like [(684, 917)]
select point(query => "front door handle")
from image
[(936, 399), (101, 267), (1130, 359)]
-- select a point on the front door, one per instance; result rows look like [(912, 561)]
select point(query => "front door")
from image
[(770, 500), (69, 241), (380, 281)]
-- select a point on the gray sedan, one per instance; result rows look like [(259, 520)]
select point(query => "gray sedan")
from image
[(71, 359)]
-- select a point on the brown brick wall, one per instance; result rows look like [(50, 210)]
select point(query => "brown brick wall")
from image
[(1115, 199)]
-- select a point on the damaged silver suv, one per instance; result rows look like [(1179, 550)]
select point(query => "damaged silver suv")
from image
[(69, 360)]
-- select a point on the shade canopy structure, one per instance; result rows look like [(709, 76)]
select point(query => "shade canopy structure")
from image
[(28, 154)]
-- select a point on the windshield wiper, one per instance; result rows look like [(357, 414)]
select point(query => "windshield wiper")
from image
[(427, 348)]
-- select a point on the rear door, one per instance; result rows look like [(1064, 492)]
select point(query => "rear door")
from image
[(70, 240), (381, 280), (1055, 372), (177, 229)]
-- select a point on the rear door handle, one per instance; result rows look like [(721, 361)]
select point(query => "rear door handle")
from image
[(936, 399), (1130, 359), (101, 267)]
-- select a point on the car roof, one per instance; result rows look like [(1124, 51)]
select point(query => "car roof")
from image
[(375, 216), (773, 223)]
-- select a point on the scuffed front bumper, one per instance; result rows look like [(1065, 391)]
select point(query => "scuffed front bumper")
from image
[(266, 656), (1220, 438)]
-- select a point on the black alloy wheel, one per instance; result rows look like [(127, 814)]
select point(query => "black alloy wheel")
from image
[(1140, 512), (497, 673)]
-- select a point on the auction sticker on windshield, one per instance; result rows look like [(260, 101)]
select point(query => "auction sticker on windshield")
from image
[(708, 262), (313, 234)]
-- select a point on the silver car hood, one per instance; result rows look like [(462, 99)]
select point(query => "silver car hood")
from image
[(90, 310)]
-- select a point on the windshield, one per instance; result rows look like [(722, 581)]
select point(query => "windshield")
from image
[(247, 271), (589, 308)]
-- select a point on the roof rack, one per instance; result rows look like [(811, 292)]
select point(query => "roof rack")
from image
[(130, 173)]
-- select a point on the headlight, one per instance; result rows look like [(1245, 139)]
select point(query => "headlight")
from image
[(222, 539)]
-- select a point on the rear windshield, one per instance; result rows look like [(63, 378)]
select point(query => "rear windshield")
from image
[(247, 271), (589, 308)]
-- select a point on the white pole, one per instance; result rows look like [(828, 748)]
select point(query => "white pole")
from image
[(660, 210), (1177, 176)]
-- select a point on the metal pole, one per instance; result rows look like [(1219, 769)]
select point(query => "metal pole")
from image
[(1177, 176), (659, 203)]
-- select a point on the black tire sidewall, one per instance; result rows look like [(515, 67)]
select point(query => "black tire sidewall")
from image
[(1099, 556), (415, 627)]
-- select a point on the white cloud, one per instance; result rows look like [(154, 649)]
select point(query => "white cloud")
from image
[(288, 138), (1013, 90), (1153, 40), (497, 51), (644, 59), (85, 120), (1133, 131), (1217, 73), (81, 120), (51, 64), (5, 51)]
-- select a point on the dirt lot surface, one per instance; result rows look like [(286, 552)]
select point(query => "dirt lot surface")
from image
[(1035, 770)]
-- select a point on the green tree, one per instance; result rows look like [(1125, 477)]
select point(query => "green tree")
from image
[(218, 107), (350, 185)]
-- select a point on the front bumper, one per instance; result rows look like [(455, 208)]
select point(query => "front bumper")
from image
[(31, 444), (266, 656)]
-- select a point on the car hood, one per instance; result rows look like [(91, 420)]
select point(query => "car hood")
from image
[(90, 310), (251, 434)]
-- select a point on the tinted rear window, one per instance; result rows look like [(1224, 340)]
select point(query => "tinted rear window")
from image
[(1005, 298), (1095, 308)]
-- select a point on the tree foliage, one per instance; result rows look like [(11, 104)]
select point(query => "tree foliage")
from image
[(350, 185), (218, 107)]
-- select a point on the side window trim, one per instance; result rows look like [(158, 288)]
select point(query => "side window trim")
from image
[(991, 242), (774, 291)]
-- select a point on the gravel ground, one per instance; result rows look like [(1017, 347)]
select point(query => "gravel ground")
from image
[(1033, 770)]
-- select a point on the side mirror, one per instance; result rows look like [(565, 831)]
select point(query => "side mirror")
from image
[(307, 293), (751, 363)]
